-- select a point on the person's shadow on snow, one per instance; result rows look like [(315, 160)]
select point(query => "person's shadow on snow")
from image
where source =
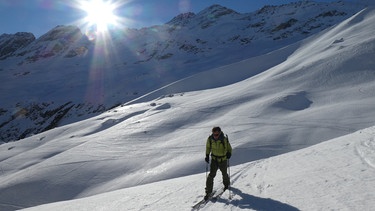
[(256, 203)]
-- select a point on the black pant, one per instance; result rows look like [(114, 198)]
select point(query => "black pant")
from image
[(215, 165)]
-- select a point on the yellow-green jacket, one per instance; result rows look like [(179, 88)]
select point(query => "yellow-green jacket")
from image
[(218, 148)]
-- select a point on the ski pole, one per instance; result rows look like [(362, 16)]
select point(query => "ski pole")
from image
[(229, 187), (206, 169)]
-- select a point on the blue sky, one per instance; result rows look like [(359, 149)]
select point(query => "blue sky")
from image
[(40, 16)]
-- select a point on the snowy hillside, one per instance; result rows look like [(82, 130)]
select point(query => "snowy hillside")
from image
[(62, 76), (335, 175), (317, 90)]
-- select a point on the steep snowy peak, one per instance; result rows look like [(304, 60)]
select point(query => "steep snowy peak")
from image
[(61, 40), (269, 23), (218, 26), (216, 11), (181, 19), (301, 7), (204, 19), (9, 43), (66, 33), (304, 17)]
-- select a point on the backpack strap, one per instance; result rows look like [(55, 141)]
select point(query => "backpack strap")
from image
[(209, 137), (225, 144)]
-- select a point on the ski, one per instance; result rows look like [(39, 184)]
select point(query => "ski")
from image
[(203, 202), (213, 197), (200, 204), (217, 196)]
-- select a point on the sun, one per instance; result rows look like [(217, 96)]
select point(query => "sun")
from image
[(99, 14)]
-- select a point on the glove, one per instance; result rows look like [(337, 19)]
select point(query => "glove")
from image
[(229, 155), (207, 159)]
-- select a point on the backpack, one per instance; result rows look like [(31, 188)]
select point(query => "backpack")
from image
[(222, 142)]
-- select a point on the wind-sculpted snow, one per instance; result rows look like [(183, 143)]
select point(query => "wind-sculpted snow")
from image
[(294, 102)]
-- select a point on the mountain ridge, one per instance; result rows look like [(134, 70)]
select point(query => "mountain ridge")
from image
[(78, 78)]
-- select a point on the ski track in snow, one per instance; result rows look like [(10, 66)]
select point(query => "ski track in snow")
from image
[(366, 150)]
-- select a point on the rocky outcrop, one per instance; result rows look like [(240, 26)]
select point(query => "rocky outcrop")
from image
[(10, 43)]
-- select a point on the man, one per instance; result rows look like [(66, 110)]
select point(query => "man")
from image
[(221, 150)]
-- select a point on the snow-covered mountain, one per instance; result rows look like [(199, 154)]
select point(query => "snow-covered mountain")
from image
[(64, 76), (149, 154)]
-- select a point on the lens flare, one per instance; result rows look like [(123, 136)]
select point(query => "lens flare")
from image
[(100, 14)]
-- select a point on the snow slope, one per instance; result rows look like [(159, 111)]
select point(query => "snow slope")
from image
[(149, 155), (335, 175)]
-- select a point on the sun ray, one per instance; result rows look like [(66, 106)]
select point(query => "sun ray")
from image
[(100, 14), (99, 17)]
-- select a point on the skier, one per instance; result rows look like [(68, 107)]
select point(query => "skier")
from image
[(221, 150)]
